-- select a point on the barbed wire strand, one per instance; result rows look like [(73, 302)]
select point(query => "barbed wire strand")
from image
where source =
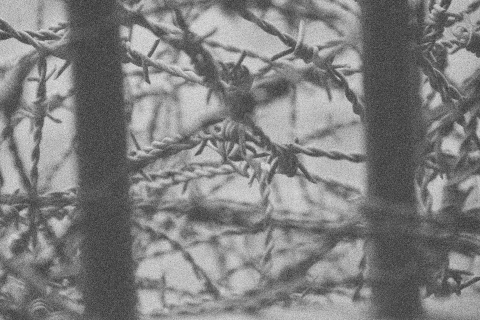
[(172, 145), (269, 243), (39, 119), (306, 53), (27, 36), (141, 60), (167, 178), (198, 271), (163, 179)]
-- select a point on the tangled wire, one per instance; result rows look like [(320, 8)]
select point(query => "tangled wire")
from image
[(42, 229)]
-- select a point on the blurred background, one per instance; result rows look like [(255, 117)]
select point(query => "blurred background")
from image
[(314, 111)]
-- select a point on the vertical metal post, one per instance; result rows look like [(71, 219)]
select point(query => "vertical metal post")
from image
[(107, 259), (392, 128)]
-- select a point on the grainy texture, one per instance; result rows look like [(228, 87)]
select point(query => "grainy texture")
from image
[(108, 280), (391, 88), (204, 243)]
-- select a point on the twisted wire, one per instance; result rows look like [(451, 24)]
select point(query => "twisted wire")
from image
[(330, 130), (25, 37), (39, 120), (59, 199), (267, 259), (454, 114), (59, 46), (167, 147), (199, 272), (191, 44), (168, 178), (203, 61), (266, 223), (424, 194), (303, 51), (341, 188), (139, 59), (342, 229), (172, 177), (166, 30), (357, 106), (265, 142), (246, 303), (163, 29), (332, 154), (40, 35), (172, 145), (438, 81), (309, 54), (268, 27), (230, 48), (10, 94), (161, 149)]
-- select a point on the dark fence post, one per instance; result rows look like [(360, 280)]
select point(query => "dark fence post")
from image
[(108, 284), (392, 127)]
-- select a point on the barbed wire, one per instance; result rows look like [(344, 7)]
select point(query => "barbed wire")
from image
[(199, 272), (37, 138), (27, 36), (171, 145), (281, 158), (141, 60), (309, 54)]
